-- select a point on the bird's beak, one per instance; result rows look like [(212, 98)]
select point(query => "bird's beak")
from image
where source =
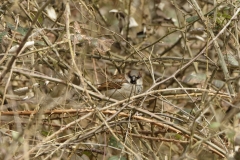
[(133, 80)]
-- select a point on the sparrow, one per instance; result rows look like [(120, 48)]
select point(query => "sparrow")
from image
[(123, 85)]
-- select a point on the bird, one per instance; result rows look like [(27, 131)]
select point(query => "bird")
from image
[(123, 86)]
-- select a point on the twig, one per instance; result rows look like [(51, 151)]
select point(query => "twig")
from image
[(12, 60)]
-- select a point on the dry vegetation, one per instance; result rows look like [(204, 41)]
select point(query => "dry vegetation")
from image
[(54, 55)]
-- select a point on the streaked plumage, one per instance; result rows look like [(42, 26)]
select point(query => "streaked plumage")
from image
[(123, 86)]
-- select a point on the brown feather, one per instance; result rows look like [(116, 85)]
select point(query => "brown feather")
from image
[(116, 83), (109, 85)]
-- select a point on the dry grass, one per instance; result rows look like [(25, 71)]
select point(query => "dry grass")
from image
[(52, 63)]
